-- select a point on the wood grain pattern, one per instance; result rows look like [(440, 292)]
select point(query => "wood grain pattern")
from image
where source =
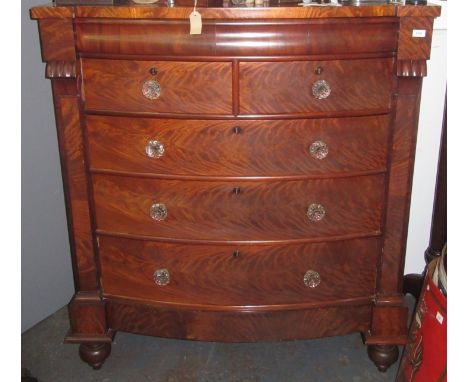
[(51, 12), (259, 148), (263, 210), (93, 309), (251, 68), (277, 87), (275, 11), (75, 181), (414, 48), (259, 275), (389, 322), (236, 327), (431, 10), (399, 188), (57, 39), (231, 38), (186, 87), (160, 37)]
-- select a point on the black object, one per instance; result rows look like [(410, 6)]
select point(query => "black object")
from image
[(416, 2)]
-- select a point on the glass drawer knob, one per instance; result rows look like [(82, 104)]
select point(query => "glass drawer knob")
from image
[(316, 212), (319, 150), (158, 211), (321, 89), (151, 89), (161, 277), (311, 278), (154, 149)]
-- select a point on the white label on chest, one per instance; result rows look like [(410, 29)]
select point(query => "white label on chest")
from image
[(195, 23), (419, 33)]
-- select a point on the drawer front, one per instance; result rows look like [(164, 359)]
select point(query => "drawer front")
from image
[(234, 38), (288, 87), (238, 276), (238, 148), (241, 211), (184, 87)]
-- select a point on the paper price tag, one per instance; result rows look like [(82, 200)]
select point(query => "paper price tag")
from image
[(195, 23), (418, 33)]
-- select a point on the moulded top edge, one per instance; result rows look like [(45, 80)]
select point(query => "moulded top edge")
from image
[(272, 11)]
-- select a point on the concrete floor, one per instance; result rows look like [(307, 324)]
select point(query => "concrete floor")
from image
[(136, 358)]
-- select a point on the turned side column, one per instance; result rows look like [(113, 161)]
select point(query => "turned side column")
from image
[(388, 327), (88, 325)]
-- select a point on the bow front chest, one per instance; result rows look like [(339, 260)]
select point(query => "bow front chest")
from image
[(248, 183)]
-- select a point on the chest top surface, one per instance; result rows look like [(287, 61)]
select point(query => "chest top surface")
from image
[(222, 9)]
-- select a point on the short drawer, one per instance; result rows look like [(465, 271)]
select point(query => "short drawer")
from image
[(243, 276), (239, 211), (315, 86), (238, 148), (158, 86)]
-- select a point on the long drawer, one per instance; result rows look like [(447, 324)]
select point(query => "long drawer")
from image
[(238, 148), (315, 86), (158, 86), (233, 38), (238, 276), (239, 211)]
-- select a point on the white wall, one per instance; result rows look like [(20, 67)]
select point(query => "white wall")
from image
[(427, 149), (46, 275)]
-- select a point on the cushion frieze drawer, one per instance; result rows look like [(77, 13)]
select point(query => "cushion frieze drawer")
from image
[(227, 275), (158, 86), (225, 38), (315, 86), (239, 210), (303, 147)]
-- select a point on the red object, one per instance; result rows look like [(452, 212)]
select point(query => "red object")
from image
[(425, 355)]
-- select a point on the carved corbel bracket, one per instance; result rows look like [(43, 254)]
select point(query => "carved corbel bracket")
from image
[(61, 69), (411, 68)]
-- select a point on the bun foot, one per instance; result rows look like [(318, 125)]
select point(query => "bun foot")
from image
[(383, 355), (95, 354)]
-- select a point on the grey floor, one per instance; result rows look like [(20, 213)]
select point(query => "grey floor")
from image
[(137, 358)]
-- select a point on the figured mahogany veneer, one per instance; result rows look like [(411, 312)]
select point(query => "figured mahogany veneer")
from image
[(235, 112), (238, 148), (254, 277), (261, 211), (286, 87), (232, 326), (186, 87), (375, 36)]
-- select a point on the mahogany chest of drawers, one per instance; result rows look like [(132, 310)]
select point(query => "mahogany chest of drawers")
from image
[(248, 183)]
